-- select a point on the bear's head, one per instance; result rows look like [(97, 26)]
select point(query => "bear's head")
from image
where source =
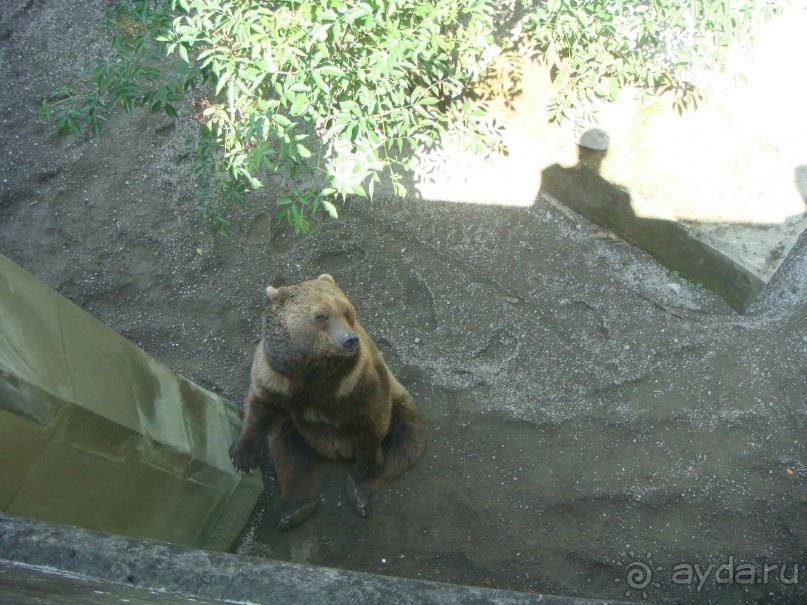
[(308, 329)]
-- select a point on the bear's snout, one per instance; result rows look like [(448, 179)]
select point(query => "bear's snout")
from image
[(350, 341)]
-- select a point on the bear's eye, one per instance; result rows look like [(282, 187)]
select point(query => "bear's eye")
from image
[(321, 317)]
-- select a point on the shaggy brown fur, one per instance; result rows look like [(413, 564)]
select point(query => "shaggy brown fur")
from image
[(320, 390)]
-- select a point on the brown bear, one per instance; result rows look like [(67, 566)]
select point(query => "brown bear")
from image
[(320, 390)]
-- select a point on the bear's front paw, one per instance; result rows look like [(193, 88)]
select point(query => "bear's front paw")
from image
[(244, 456)]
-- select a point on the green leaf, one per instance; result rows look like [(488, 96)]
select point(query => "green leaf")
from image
[(332, 70), (299, 105), (613, 88), (330, 209), (357, 13), (357, 189), (320, 82), (282, 120)]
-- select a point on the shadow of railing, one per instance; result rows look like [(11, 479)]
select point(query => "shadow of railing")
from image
[(734, 259), (670, 242)]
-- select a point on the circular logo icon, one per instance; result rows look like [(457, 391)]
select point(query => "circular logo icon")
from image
[(639, 575)]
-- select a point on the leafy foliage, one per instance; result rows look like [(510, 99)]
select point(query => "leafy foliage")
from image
[(330, 93), (596, 47), (335, 94)]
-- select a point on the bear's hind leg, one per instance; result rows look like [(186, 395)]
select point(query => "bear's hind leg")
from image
[(295, 462), (401, 447), (404, 442)]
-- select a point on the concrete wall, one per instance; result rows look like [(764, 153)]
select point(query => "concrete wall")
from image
[(95, 433), (47, 563)]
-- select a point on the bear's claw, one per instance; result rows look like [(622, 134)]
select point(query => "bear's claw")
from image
[(243, 459), (358, 495), (297, 512)]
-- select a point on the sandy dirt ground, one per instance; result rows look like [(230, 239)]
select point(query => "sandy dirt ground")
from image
[(595, 427)]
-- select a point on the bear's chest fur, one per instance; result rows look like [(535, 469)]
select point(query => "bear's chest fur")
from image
[(316, 404)]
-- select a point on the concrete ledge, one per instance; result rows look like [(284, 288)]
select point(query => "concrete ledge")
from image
[(34, 553), (96, 433)]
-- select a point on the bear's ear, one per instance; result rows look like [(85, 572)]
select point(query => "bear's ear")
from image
[(327, 277), (272, 292)]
